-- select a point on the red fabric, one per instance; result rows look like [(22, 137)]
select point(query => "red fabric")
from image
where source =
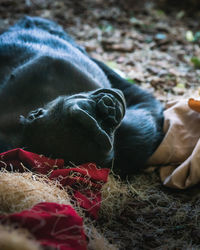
[(86, 180), (54, 225), (17, 159)]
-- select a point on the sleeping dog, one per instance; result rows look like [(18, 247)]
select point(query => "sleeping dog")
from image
[(56, 100)]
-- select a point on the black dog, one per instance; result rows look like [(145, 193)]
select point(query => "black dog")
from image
[(88, 114)]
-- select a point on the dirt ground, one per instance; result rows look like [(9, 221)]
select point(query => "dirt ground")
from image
[(154, 46)]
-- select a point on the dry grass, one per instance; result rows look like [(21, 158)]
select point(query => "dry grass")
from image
[(96, 239), (16, 239), (142, 214), (19, 191), (135, 214), (114, 197)]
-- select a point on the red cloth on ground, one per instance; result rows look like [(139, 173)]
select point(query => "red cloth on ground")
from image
[(52, 224), (18, 159), (86, 180)]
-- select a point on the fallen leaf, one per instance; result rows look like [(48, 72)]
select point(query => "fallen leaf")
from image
[(196, 61), (113, 66), (130, 80), (180, 14), (189, 36)]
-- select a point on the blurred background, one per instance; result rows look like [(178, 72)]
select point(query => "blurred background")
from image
[(151, 43)]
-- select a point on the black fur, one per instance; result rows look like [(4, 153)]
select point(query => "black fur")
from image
[(83, 101)]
